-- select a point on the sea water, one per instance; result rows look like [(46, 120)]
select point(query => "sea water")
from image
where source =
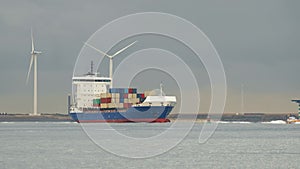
[(67, 145)]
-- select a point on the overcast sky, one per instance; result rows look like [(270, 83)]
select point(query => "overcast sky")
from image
[(258, 42)]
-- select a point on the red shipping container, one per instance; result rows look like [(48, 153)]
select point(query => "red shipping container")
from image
[(125, 95), (127, 105), (142, 95), (106, 100), (130, 90)]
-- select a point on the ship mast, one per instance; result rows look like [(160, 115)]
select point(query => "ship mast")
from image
[(92, 65)]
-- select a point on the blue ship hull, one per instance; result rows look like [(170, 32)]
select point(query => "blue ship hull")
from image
[(133, 114)]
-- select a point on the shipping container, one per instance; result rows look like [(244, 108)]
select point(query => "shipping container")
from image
[(115, 100), (115, 95), (105, 100), (96, 101), (132, 90), (122, 90), (134, 100), (112, 90), (104, 105), (116, 90), (134, 96), (127, 105), (105, 95), (112, 105), (120, 105), (141, 95)]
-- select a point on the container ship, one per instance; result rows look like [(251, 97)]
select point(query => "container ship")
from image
[(94, 100)]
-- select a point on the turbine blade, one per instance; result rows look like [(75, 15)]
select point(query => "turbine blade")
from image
[(31, 60), (124, 49), (97, 50), (32, 44)]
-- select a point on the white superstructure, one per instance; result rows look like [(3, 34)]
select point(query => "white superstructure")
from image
[(89, 87), (159, 101)]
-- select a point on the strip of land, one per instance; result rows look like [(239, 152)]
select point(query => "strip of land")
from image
[(248, 117), (31, 118)]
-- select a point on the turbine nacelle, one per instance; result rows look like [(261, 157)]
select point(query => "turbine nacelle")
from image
[(36, 52)]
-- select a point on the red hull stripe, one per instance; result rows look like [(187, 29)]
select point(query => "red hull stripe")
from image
[(125, 120)]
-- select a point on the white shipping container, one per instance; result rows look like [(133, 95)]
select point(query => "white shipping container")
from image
[(120, 105), (136, 100), (115, 100), (133, 100), (134, 96), (115, 95), (104, 105), (129, 95), (105, 95), (112, 105)]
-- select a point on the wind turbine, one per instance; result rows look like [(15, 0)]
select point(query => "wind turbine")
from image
[(34, 54), (110, 58)]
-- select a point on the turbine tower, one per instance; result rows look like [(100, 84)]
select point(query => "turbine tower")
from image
[(110, 58), (34, 54)]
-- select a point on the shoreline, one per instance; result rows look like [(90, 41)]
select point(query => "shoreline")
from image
[(38, 118)]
